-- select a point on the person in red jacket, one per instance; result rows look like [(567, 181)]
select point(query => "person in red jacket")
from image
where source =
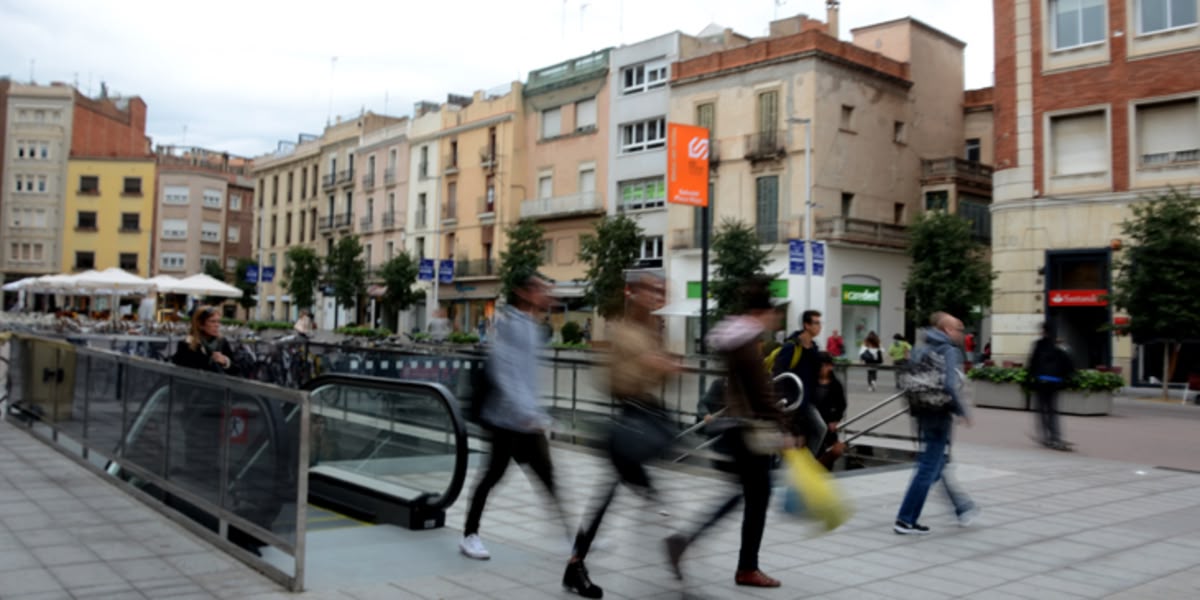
[(836, 345)]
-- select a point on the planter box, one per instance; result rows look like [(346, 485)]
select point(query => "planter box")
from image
[(1000, 395), (1085, 403)]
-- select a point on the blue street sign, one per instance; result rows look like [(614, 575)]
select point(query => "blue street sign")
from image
[(425, 270), (818, 258), (795, 257), (268, 274), (252, 274), (446, 271)]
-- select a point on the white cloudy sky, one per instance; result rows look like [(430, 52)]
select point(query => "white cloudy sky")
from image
[(240, 75)]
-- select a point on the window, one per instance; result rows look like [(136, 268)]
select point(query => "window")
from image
[(131, 222), (547, 251), (287, 229), (1078, 144), (206, 259), (423, 166), (452, 159), (85, 221), (232, 261), (489, 195), (128, 261), (367, 251), (291, 180), (643, 77), (847, 120), (274, 227), (234, 233), (83, 260), (132, 186), (767, 209), (898, 213), (652, 247), (1157, 15), (212, 199), (1168, 133), (175, 194), (19, 182), (973, 150), (89, 184), (174, 229), (274, 190), (642, 193), (314, 182), (768, 111), (303, 183), (44, 147), (545, 187), (938, 200), (899, 132), (312, 225), (706, 117), (587, 181), (29, 217), (235, 201), (643, 135), (300, 231), (585, 115), (1077, 22), (847, 205), (420, 248), (37, 252), (41, 184), (452, 199), (172, 261), (551, 123), (390, 250), (422, 209)]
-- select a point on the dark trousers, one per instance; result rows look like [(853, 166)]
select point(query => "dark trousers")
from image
[(754, 474), (872, 376), (525, 448), (1047, 399)]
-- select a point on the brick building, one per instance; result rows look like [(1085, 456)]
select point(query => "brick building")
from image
[(1097, 105)]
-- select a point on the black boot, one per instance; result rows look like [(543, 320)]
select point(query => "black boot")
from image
[(575, 579)]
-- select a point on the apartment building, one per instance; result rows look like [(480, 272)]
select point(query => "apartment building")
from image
[(33, 166), (109, 199), (567, 107), (424, 198), (380, 204), (204, 210), (1097, 108), (877, 107)]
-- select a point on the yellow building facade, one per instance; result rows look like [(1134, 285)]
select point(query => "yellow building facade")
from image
[(108, 215)]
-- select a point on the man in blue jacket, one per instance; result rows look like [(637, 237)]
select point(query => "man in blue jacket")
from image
[(934, 429)]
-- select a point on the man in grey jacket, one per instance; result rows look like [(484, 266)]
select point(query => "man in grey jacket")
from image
[(513, 414), (934, 429)]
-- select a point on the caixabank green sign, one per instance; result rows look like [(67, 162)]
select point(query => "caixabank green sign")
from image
[(861, 295)]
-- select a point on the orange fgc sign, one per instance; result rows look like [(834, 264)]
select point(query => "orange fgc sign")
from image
[(687, 164)]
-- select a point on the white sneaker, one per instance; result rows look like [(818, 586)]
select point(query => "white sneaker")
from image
[(473, 547), (968, 517)]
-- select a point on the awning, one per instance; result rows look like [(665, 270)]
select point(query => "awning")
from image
[(684, 308)]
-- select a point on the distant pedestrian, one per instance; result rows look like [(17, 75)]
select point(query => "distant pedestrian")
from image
[(515, 418), (899, 352), (934, 427), (872, 355), (304, 325), (587, 331), (829, 398), (836, 346), (1051, 369), (440, 327), (969, 346)]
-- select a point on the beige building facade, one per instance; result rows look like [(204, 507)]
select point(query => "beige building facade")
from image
[(380, 207)]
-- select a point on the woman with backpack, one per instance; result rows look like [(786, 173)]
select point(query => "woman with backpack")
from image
[(871, 354)]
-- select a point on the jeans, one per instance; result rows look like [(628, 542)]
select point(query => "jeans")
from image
[(935, 438), (754, 474), (528, 448), (1047, 398)]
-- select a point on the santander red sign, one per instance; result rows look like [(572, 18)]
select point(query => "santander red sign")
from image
[(1078, 297)]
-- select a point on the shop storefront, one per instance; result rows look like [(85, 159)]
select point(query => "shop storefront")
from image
[(1077, 286), (861, 299)]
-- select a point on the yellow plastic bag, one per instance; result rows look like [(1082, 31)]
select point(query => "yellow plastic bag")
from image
[(812, 491)]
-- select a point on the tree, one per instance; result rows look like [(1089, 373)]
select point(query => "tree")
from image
[(737, 256), (347, 272), (949, 272), (522, 257), (609, 253), (1156, 281), (300, 275), (213, 269), (249, 290), (400, 277)]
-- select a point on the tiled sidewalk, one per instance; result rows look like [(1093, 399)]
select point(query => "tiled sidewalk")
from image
[(1054, 526)]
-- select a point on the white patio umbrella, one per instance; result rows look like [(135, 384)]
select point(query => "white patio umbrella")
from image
[(204, 285), (165, 284), (19, 285), (113, 281)]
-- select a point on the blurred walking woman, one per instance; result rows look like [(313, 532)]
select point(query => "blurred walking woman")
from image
[(204, 347)]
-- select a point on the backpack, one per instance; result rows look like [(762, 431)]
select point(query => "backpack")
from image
[(924, 384), (481, 390), (769, 361)]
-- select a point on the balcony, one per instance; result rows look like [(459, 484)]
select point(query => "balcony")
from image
[(328, 180), (366, 224), (766, 145), (568, 73), (389, 221), (451, 163), (767, 234), (343, 220), (488, 159), (368, 181), (389, 176), (450, 213), (969, 175), (346, 176), (862, 231), (487, 210), (324, 223), (563, 206), (475, 268)]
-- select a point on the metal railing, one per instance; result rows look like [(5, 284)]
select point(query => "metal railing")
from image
[(451, 165), (475, 268), (862, 231), (368, 181), (766, 145), (342, 220), (389, 176), (389, 220), (583, 202), (366, 223), (346, 176), (488, 158), (328, 180), (487, 206)]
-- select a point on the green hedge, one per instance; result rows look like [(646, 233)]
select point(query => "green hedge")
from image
[(463, 338), (572, 333), (1087, 380), (365, 332)]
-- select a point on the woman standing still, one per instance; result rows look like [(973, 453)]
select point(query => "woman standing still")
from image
[(204, 347), (872, 355)]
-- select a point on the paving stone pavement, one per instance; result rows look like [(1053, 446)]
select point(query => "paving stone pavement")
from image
[(1054, 525)]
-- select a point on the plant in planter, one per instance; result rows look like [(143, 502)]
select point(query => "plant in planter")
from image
[(463, 338), (1089, 392)]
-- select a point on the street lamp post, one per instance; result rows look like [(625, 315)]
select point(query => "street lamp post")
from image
[(808, 208)]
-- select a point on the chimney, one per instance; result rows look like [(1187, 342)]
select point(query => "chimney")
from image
[(831, 16)]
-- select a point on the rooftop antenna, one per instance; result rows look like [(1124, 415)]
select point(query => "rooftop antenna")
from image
[(332, 72)]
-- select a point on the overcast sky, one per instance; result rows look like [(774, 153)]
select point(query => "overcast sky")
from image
[(241, 75)]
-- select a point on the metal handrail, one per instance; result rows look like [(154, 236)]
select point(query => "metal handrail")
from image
[(886, 420), (787, 408), (864, 413)]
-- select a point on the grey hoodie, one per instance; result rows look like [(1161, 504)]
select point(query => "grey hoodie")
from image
[(938, 341)]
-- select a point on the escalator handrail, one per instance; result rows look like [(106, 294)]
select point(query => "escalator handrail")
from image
[(461, 449)]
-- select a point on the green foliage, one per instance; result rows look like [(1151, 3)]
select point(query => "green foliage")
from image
[(262, 325), (249, 290), (463, 338), (213, 269), (367, 332), (300, 275), (347, 271), (1156, 280), (999, 374), (949, 270), (421, 337), (400, 277), (1086, 380), (522, 257), (233, 322), (572, 333), (737, 257), (609, 253)]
